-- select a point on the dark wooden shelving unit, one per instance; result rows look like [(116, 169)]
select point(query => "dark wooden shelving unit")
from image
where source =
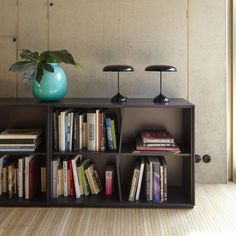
[(137, 114)]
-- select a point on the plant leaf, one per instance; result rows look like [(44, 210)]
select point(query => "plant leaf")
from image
[(39, 73), (62, 56), (21, 66), (30, 73), (47, 67), (28, 55)]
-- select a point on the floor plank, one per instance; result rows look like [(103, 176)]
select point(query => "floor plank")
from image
[(214, 214)]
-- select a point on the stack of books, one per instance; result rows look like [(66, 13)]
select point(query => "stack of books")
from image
[(22, 176), (75, 177), (156, 140), (75, 130), (152, 174), (20, 140)]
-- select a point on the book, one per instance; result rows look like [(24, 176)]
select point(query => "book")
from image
[(84, 135), (75, 175), (34, 177), (20, 134), (113, 133), (21, 168), (83, 166), (55, 164), (82, 130), (43, 179), (157, 136), (65, 177), (91, 129), (71, 179), (109, 180), (10, 179), (56, 129), (134, 182), (140, 179), (97, 130), (164, 178), (109, 134), (140, 147), (3, 160), (27, 175), (156, 165), (103, 133), (93, 179)]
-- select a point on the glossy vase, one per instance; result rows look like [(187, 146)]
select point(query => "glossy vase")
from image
[(53, 85)]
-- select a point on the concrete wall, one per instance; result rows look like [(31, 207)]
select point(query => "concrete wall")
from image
[(189, 34)]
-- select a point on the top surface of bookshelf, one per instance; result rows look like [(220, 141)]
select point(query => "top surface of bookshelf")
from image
[(96, 102)]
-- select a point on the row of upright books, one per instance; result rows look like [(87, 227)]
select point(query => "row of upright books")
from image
[(75, 130), (20, 140), (22, 176), (150, 176), (78, 176)]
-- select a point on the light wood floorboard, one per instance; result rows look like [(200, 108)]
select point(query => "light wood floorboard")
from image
[(214, 214)]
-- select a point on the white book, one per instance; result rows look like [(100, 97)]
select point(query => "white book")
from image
[(75, 175), (1, 172), (27, 162), (71, 130), (97, 130), (81, 120), (65, 177), (140, 179), (55, 164), (59, 131), (21, 167), (91, 130)]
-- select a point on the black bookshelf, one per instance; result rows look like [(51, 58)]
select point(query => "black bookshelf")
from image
[(137, 114)]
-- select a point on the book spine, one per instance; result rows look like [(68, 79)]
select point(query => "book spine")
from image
[(84, 181), (27, 178), (164, 178), (65, 177), (103, 133), (80, 181), (134, 185), (43, 179), (156, 183), (161, 183), (71, 130), (76, 179), (109, 133), (97, 129), (109, 180), (81, 131), (140, 180), (5, 179), (20, 177), (72, 185), (1, 175), (113, 131), (10, 180), (148, 181), (84, 135), (55, 130), (54, 178), (90, 180), (75, 138), (91, 124), (151, 181)]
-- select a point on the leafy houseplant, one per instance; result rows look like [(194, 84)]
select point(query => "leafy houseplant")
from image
[(48, 78)]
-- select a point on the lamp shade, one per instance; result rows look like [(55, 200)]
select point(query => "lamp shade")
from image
[(118, 68), (165, 68)]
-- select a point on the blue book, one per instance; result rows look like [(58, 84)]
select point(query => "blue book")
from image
[(109, 134)]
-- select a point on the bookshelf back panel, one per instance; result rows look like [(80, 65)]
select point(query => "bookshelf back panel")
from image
[(138, 119), (23, 117)]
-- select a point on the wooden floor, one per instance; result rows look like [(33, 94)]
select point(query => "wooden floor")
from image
[(214, 214)]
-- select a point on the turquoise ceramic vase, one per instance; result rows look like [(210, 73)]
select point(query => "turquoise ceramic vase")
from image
[(53, 85)]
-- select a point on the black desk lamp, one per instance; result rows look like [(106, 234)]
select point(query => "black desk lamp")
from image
[(118, 98), (161, 98)]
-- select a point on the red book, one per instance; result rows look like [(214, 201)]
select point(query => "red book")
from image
[(109, 176), (157, 136), (34, 177), (140, 147), (72, 184)]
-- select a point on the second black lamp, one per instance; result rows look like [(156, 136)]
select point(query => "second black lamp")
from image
[(118, 98), (161, 68)]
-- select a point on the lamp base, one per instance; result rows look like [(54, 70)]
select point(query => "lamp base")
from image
[(118, 98), (160, 99)]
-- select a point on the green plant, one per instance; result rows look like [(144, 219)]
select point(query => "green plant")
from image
[(34, 63)]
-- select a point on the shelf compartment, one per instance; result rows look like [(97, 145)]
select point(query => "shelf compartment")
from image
[(83, 152)]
